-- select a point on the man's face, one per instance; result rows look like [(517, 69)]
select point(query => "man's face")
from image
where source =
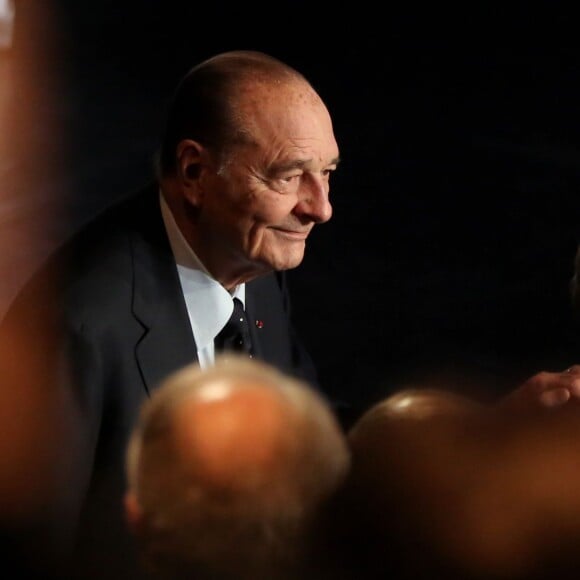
[(257, 212)]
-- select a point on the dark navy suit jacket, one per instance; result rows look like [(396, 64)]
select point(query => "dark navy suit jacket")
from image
[(119, 317)]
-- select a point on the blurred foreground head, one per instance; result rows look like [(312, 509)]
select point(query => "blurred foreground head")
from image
[(445, 487), (228, 468)]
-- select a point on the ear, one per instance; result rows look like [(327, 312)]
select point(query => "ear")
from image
[(190, 154), (133, 512)]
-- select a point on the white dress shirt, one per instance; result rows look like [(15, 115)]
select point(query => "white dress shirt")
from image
[(209, 304)]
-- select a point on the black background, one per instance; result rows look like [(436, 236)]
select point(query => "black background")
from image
[(458, 197)]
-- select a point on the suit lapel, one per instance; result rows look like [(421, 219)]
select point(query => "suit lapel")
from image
[(268, 325), (167, 343)]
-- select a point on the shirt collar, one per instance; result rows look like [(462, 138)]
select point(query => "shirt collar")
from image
[(208, 303)]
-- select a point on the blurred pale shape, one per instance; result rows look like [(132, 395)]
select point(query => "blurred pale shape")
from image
[(6, 23)]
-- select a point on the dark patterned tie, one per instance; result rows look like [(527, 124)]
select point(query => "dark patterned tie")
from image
[(235, 335)]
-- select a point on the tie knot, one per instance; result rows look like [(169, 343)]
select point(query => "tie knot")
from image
[(235, 335), (238, 315)]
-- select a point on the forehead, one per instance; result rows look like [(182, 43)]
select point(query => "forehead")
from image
[(286, 115)]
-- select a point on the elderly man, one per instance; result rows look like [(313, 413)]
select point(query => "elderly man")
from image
[(149, 285)]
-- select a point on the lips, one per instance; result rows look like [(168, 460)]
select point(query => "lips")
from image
[(292, 234)]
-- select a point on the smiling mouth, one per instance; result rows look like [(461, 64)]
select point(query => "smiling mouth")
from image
[(296, 235)]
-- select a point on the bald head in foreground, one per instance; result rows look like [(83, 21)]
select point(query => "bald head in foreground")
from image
[(443, 487), (228, 469)]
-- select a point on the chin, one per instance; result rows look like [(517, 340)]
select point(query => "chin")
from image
[(286, 262), (285, 257)]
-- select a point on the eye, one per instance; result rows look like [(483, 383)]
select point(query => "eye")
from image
[(290, 178), (326, 172), (286, 182)]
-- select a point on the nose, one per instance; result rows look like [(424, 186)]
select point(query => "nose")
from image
[(314, 204)]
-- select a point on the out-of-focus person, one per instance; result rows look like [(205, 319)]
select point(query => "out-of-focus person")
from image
[(229, 469), (446, 487), (32, 406)]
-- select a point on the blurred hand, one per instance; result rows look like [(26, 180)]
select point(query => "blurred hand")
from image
[(547, 390)]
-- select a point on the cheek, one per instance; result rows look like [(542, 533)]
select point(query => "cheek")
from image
[(273, 209), (257, 212), (255, 235), (259, 236)]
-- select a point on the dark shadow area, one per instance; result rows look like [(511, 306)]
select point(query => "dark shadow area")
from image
[(456, 208)]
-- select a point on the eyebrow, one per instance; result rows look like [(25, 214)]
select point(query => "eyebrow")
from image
[(298, 164)]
